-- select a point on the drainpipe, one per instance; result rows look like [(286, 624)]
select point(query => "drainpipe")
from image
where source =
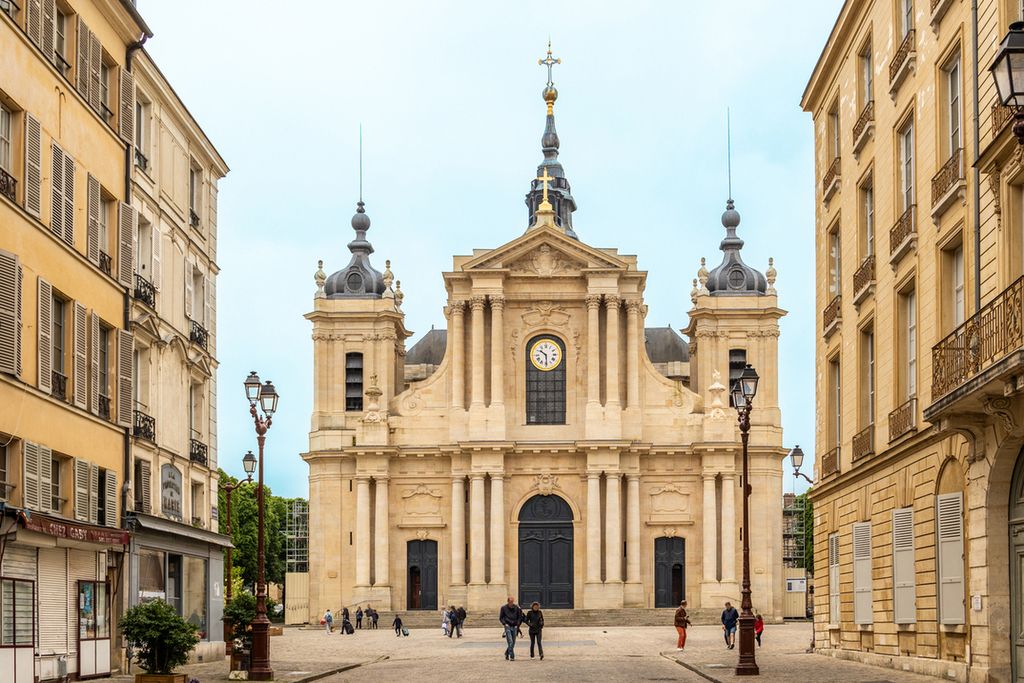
[(977, 171)]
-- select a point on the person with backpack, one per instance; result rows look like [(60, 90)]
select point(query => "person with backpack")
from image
[(376, 616), (535, 623), (359, 617), (758, 628), (461, 612), (328, 621), (682, 622), (397, 623), (510, 616), (453, 621)]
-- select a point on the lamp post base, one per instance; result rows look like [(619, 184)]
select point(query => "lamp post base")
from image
[(747, 665), (259, 669)]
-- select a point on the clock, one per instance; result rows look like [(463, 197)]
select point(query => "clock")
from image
[(545, 355)]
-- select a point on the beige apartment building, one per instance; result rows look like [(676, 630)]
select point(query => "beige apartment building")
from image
[(918, 498)]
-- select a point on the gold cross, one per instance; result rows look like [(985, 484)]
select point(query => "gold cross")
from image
[(545, 179), (549, 61)]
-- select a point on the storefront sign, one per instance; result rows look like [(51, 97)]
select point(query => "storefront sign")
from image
[(170, 491), (75, 532)]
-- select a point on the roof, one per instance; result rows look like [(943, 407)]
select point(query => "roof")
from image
[(665, 345), (429, 350)]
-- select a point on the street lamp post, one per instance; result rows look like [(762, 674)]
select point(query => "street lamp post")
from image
[(249, 463), (1008, 73), (266, 396), (743, 392), (797, 456)]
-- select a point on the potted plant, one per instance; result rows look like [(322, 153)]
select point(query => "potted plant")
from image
[(159, 640), (239, 612)]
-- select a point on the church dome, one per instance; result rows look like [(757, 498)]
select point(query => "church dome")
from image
[(359, 279), (733, 277)]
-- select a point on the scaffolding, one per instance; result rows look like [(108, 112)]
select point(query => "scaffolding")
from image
[(793, 531), (297, 536)]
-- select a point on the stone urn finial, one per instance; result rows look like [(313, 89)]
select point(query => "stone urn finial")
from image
[(320, 277), (770, 275)]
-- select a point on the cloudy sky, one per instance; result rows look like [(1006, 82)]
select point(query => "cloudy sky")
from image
[(448, 94)]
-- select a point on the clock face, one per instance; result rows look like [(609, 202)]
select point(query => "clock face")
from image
[(545, 355)]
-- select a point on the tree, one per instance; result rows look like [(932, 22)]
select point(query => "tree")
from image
[(157, 637), (808, 532), (245, 526)]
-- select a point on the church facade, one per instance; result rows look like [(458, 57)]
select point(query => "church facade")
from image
[(546, 445)]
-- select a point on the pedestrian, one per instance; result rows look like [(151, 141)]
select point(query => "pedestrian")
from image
[(359, 617), (328, 621), (397, 623), (510, 616), (729, 618), (535, 624), (461, 611), (376, 616), (445, 622), (346, 626), (682, 621), (344, 613), (758, 628), (453, 621)]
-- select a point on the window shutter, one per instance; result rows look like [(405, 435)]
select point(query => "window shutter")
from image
[(904, 588), (94, 206), (45, 478), (44, 330), (81, 506), (833, 579), (125, 351), (156, 251), (94, 492), (126, 117), (95, 65), (34, 22), (10, 314), (94, 363), (211, 300), (33, 165), (127, 222), (82, 58), (30, 474), (69, 200), (951, 558), (57, 192), (81, 350), (110, 498), (188, 288), (862, 606), (145, 477), (49, 26)]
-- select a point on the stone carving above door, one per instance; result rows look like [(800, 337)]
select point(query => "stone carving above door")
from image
[(546, 262), (546, 313), (421, 507), (670, 504)]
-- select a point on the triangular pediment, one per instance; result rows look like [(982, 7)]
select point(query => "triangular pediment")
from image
[(545, 252)]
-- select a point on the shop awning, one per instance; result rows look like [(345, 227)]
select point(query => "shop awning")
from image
[(168, 526)]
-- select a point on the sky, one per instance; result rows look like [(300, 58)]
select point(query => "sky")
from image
[(449, 98)]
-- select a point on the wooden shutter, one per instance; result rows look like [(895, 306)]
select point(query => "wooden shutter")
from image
[(110, 498), (833, 579), (45, 478), (44, 336), (156, 273), (95, 66), (81, 350), (903, 579), (188, 288), (30, 475), (862, 607), (126, 117), (125, 351), (69, 200), (94, 206), (82, 58), (49, 29), (94, 492), (127, 224), (57, 191), (94, 363), (34, 22), (81, 476), (33, 165), (10, 314), (950, 509), (144, 484)]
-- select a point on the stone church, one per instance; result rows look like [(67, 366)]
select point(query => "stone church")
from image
[(546, 445)]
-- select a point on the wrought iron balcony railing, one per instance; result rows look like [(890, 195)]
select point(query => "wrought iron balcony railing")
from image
[(144, 426), (59, 385), (902, 234), (8, 185), (104, 402), (198, 334), (830, 463), (864, 443), (863, 278), (828, 181), (193, 218), (864, 121), (140, 160), (903, 420), (901, 57), (951, 173), (831, 315), (145, 291), (106, 265), (197, 451), (1001, 115)]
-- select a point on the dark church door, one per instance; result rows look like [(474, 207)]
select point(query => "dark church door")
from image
[(422, 574), (545, 553), (669, 571)]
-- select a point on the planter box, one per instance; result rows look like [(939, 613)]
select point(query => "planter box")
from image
[(161, 678)]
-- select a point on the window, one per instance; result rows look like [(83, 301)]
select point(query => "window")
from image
[(143, 481), (353, 381), (106, 208), (5, 138), (103, 343), (906, 16), (105, 89), (906, 151), (952, 72), (198, 503), (950, 513), (60, 25), (833, 131), (867, 344), (737, 362), (93, 612), (835, 394), (545, 380), (867, 83), (152, 576), (56, 482), (904, 584), (141, 134), (908, 327), (4, 462), (17, 613), (835, 276), (862, 601), (833, 579), (59, 320), (953, 302), (867, 208), (195, 411), (194, 602), (195, 187)]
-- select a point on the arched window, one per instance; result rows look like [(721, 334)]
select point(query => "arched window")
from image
[(545, 381), (353, 381)]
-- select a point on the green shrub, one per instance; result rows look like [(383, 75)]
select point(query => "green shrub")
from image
[(158, 638), (239, 612)]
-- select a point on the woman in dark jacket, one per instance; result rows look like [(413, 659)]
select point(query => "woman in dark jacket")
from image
[(682, 621), (535, 620)]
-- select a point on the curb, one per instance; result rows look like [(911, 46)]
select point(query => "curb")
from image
[(338, 670), (692, 668)]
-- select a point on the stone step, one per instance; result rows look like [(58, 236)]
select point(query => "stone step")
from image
[(627, 616)]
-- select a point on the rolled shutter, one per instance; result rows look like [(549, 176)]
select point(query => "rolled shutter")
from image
[(833, 578), (188, 288), (156, 251), (125, 351), (57, 191), (30, 475), (94, 206), (69, 200), (34, 22), (145, 483), (45, 478), (44, 338), (110, 498), (82, 44), (33, 165), (94, 492), (81, 350), (127, 224), (10, 314), (81, 506), (126, 118), (904, 584), (49, 28), (950, 509)]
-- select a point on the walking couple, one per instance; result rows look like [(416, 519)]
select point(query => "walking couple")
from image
[(511, 617)]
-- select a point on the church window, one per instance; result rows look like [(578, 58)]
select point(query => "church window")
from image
[(737, 361), (353, 381), (545, 380)]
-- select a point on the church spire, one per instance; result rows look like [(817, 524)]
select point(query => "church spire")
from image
[(558, 192)]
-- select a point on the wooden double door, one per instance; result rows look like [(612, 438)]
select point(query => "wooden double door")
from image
[(546, 553), (421, 574), (669, 571)]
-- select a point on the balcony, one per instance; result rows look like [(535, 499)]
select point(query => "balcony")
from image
[(939, 8), (864, 443), (197, 451), (8, 185), (144, 427), (193, 218), (104, 404), (830, 463), (903, 236), (198, 334), (831, 316), (902, 63), (141, 162), (145, 291), (830, 181), (864, 280), (105, 263), (865, 127), (949, 184), (1000, 117), (58, 385), (903, 420)]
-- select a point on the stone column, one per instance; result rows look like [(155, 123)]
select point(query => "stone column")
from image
[(497, 351), (381, 554), (633, 528), (594, 527), (497, 529), (476, 304), (593, 348), (709, 545), (632, 353), (458, 530), (728, 528), (456, 310), (362, 530), (612, 528), (611, 307), (477, 530)]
